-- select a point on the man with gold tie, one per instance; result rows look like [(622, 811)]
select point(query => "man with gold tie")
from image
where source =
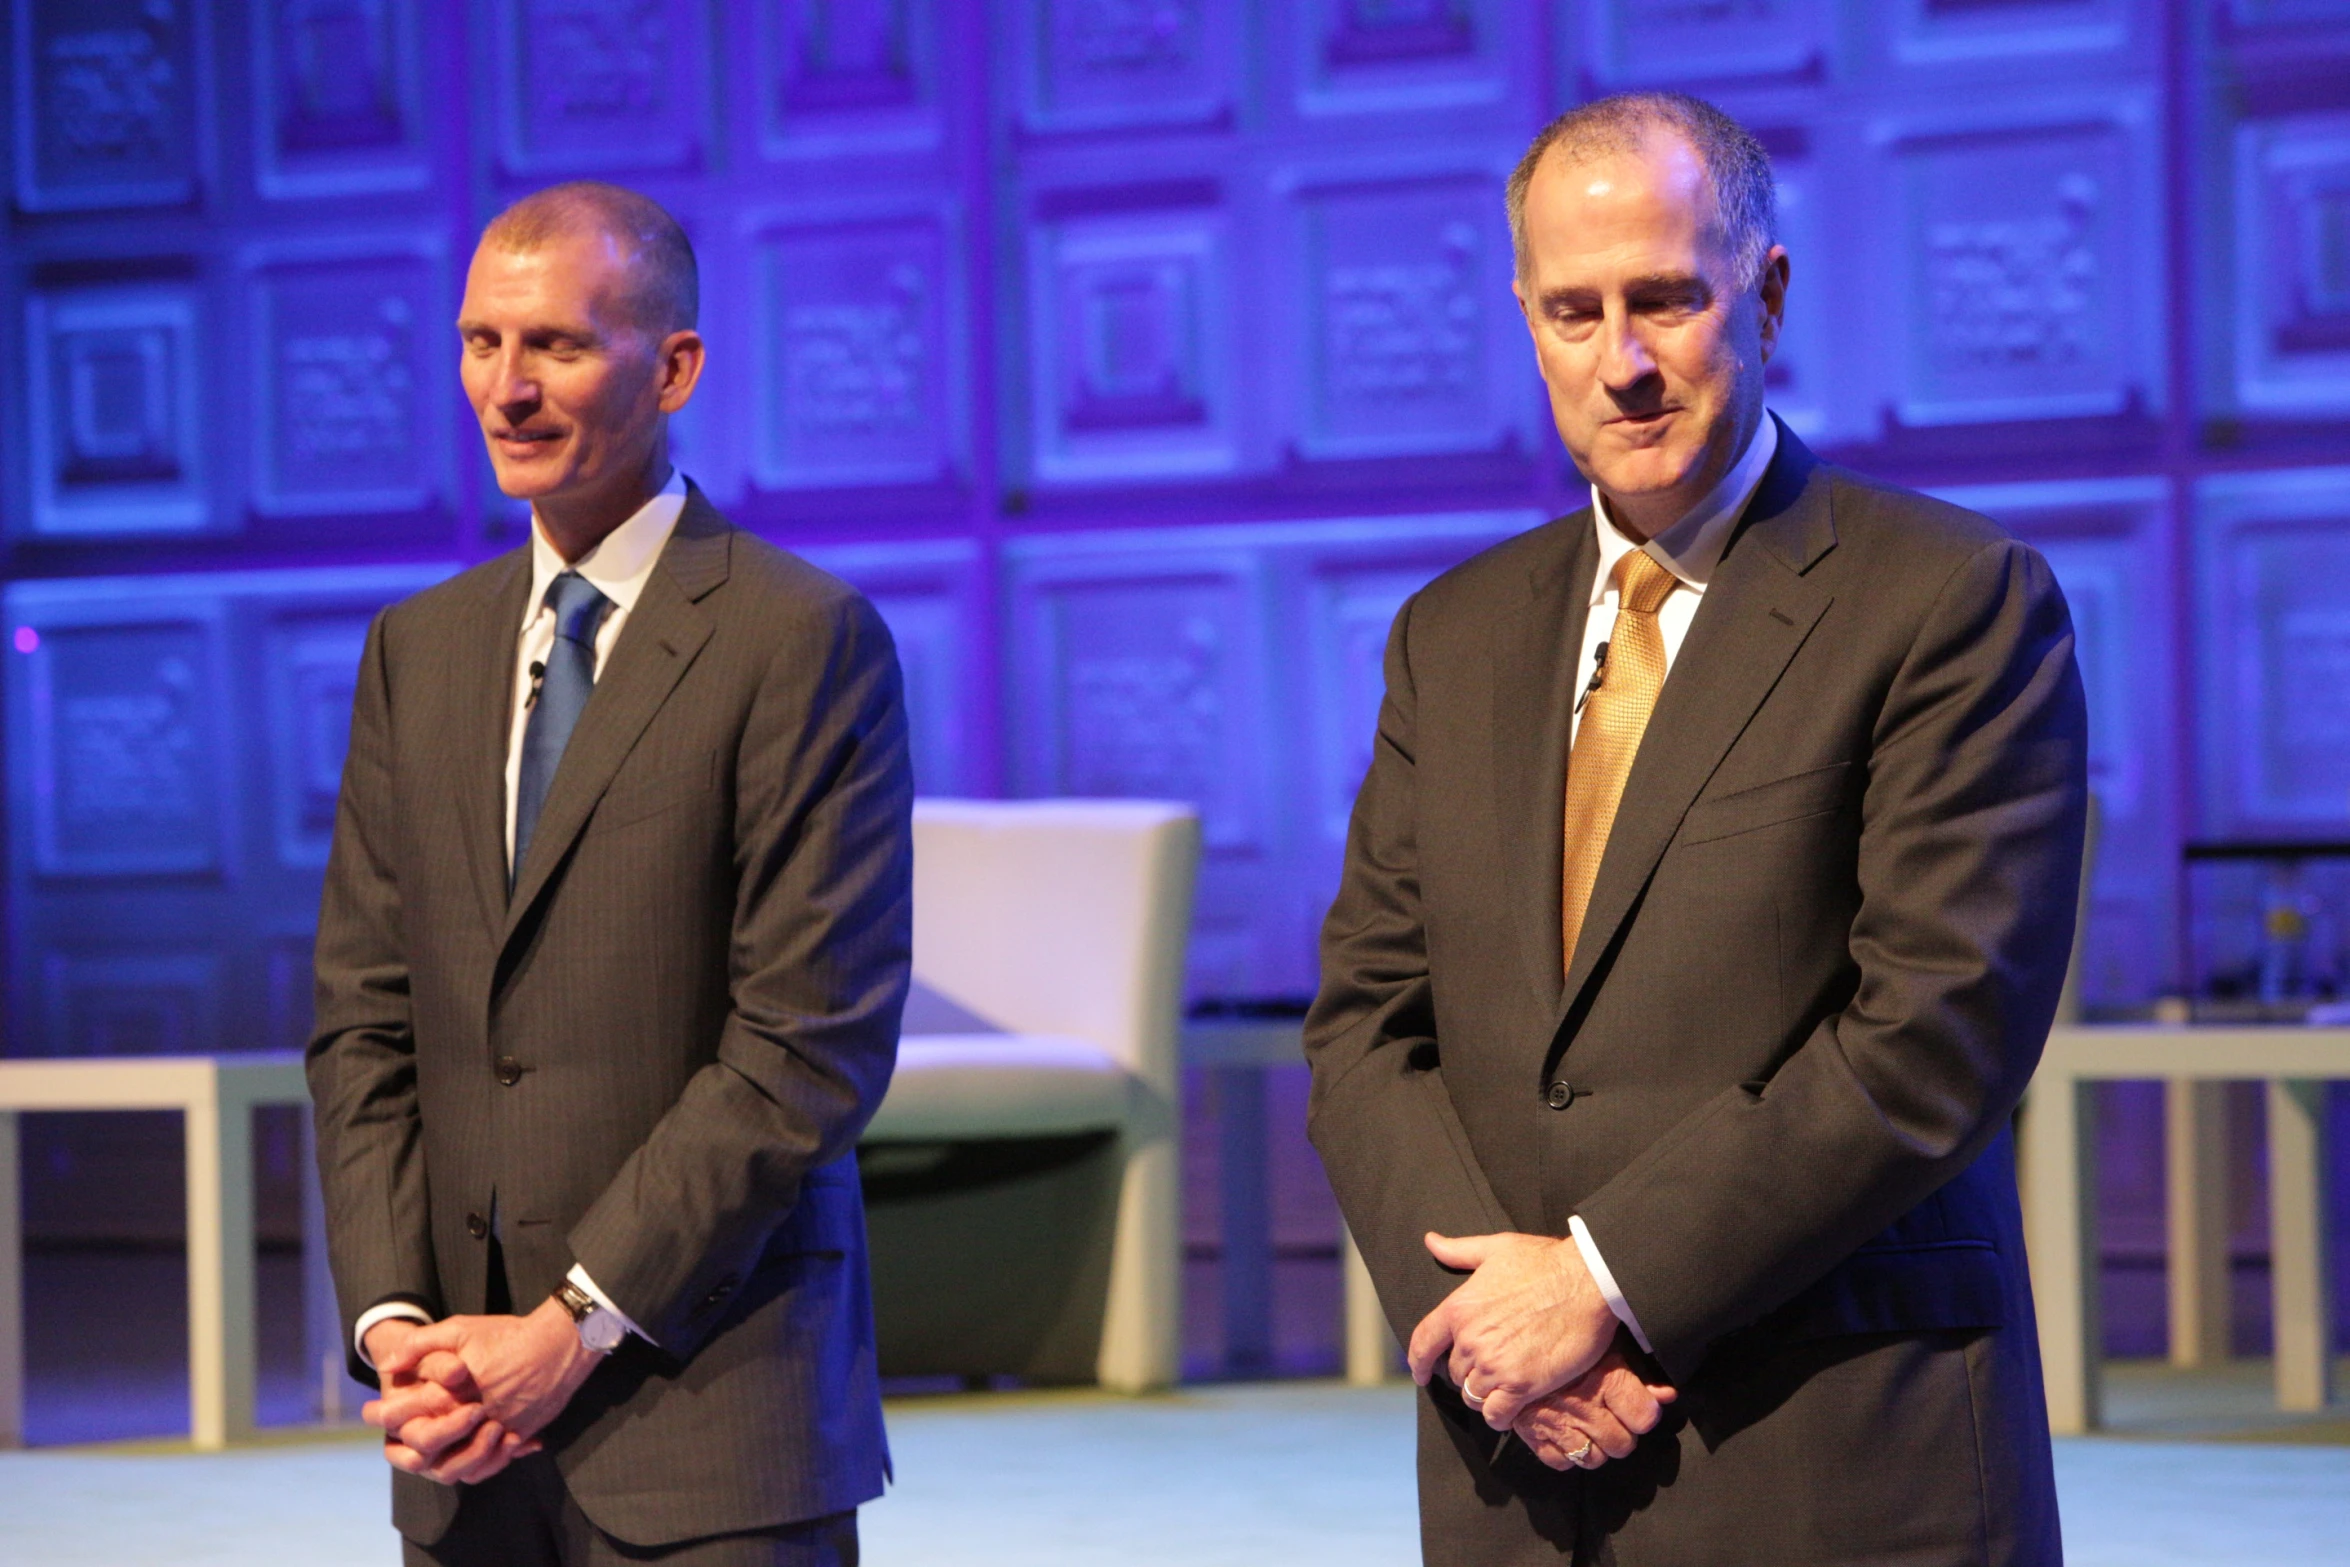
[(1705, 908)]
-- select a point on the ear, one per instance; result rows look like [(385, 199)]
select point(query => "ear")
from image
[(1772, 287), (680, 358)]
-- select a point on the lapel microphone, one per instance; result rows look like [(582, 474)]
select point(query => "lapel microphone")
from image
[(1598, 676), (538, 678)]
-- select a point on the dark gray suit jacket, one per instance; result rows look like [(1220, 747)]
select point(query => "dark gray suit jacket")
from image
[(1818, 966), (656, 1056)]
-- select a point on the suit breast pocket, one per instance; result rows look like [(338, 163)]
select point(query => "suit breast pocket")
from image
[(634, 799), (1816, 791)]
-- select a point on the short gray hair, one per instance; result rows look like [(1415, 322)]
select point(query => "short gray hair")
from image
[(665, 285), (1737, 170)]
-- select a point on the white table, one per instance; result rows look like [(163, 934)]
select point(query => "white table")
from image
[(2059, 1175), (217, 1095)]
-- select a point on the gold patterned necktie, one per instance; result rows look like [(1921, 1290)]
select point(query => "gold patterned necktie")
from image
[(1615, 716)]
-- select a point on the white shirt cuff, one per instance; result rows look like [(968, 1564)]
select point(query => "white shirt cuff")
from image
[(578, 1276), (389, 1311), (1607, 1282)]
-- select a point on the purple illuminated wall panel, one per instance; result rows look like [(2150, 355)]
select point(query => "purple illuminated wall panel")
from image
[(124, 748), (1371, 56), (155, 1004), (592, 86), (339, 93), (1235, 666), (1412, 342), (1962, 32), (2292, 304), (109, 102), (846, 75), (117, 410), (862, 373), (2257, 12), (1139, 668), (175, 745), (1130, 337), (2272, 565), (1096, 65), (1675, 43), (2016, 282), (351, 395)]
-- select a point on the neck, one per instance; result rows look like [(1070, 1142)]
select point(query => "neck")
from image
[(1642, 517), (575, 524)]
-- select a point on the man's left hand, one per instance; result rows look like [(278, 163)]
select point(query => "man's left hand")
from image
[(525, 1369), (1600, 1415), (1527, 1321)]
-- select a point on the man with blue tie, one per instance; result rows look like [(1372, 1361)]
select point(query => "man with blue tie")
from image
[(610, 963)]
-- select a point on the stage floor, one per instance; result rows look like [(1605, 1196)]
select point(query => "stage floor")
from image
[(1301, 1473)]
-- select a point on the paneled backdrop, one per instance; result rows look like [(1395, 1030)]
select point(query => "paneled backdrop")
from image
[(1138, 357)]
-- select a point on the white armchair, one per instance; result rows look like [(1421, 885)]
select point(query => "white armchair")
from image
[(1021, 1176)]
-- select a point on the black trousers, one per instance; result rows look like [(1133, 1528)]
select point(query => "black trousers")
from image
[(524, 1517)]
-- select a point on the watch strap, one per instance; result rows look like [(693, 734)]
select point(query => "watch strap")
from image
[(599, 1330)]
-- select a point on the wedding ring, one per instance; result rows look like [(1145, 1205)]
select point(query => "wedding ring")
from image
[(1471, 1399), (1579, 1454)]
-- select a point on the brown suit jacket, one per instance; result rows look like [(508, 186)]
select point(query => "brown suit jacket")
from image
[(1818, 965), (656, 1056)]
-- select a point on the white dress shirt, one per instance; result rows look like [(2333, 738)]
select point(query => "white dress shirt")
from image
[(617, 568), (1689, 549)]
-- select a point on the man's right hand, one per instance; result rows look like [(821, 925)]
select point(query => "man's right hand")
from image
[(431, 1414), (1609, 1408)]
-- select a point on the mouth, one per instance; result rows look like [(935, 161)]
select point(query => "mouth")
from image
[(1645, 421), (521, 443)]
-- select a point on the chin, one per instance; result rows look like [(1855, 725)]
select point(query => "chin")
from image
[(1645, 473), (528, 482)]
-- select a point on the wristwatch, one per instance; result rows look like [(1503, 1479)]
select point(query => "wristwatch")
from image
[(599, 1330)]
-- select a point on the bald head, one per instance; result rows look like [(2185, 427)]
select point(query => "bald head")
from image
[(664, 291), (1737, 170)]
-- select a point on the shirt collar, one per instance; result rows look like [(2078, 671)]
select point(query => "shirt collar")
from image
[(1691, 547), (620, 562)]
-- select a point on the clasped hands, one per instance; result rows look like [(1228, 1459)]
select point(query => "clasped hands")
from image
[(466, 1396), (1530, 1342)]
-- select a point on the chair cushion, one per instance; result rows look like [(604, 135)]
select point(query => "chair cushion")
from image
[(961, 1086)]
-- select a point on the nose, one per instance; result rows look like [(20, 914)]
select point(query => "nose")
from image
[(1624, 359), (513, 393)]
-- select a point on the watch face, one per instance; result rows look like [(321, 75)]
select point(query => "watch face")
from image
[(601, 1332)]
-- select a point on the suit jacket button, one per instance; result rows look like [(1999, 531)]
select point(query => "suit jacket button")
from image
[(509, 1071), (477, 1226), (1561, 1095)]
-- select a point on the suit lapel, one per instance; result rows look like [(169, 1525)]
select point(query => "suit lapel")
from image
[(665, 631), (1533, 701), (1757, 611), (486, 723)]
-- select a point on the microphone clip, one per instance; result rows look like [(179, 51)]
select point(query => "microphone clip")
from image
[(1598, 677)]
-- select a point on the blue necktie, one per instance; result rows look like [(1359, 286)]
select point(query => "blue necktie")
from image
[(561, 696)]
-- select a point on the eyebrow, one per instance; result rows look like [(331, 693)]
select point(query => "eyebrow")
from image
[(1650, 285), (466, 327)]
